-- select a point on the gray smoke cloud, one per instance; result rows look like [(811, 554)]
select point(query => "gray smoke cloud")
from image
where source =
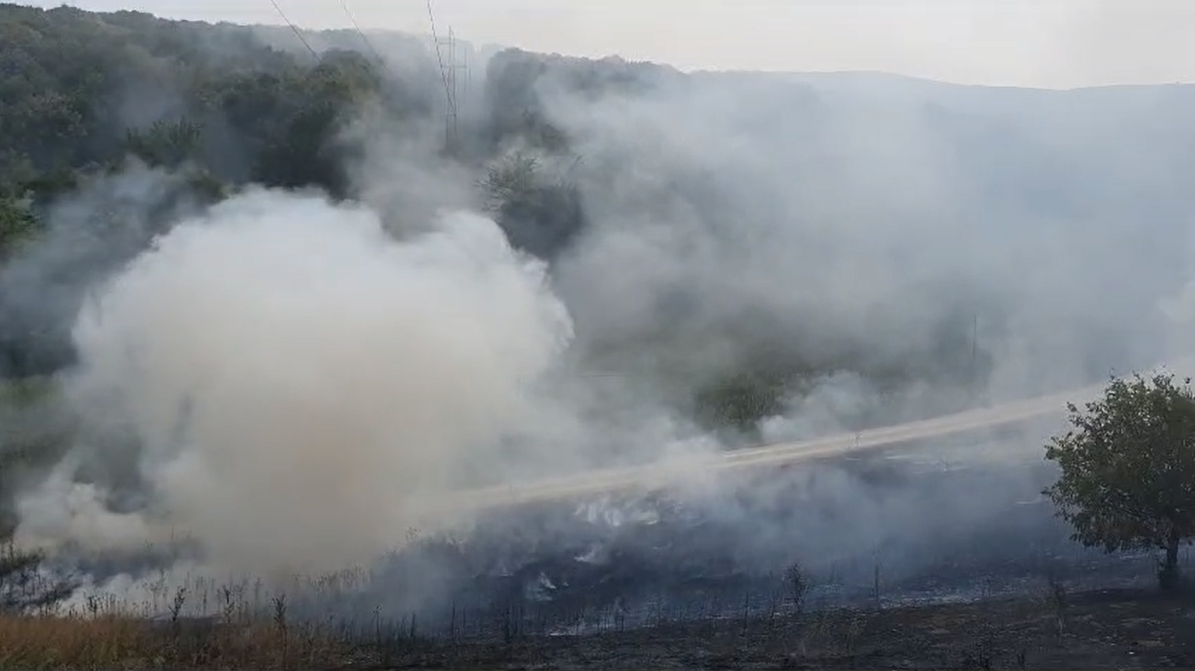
[(950, 232), (300, 380), (292, 373)]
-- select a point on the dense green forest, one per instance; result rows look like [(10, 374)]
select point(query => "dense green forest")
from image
[(83, 92), (219, 106), (72, 80)]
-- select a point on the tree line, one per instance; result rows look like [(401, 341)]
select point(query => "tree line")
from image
[(84, 91)]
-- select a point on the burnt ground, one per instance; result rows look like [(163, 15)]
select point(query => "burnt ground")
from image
[(1108, 629), (909, 566), (914, 559)]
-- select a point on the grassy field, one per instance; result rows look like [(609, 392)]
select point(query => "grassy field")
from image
[(1055, 630), (126, 642)]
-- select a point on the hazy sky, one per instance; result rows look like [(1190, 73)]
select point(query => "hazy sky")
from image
[(1052, 43)]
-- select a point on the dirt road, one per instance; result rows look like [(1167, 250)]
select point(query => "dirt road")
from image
[(663, 474)]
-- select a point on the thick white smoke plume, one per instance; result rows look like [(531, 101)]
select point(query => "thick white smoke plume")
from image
[(298, 382)]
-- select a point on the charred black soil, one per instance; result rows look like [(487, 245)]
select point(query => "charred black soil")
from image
[(1107, 629)]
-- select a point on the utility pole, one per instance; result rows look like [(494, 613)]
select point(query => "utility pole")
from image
[(974, 355), (974, 344), (446, 57)]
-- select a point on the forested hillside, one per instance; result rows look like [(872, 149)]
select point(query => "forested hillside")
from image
[(733, 242), (83, 91), (215, 105)]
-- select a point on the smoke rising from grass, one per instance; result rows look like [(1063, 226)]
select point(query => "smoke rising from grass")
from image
[(298, 383)]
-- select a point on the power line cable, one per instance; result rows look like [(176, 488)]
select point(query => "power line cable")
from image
[(298, 33), (364, 38), (440, 59)]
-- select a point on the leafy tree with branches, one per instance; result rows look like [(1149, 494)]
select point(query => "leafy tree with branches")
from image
[(540, 214), (24, 586), (1128, 469), (17, 225), (25, 582)]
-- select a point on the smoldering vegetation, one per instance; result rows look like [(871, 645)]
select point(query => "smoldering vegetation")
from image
[(295, 321), (621, 562)]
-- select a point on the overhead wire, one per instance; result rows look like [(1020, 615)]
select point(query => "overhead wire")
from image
[(365, 38), (431, 17), (293, 27)]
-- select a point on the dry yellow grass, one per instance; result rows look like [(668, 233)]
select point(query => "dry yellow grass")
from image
[(123, 642), (55, 642)]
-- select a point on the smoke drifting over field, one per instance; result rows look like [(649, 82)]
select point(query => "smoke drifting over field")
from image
[(869, 234), (299, 380)]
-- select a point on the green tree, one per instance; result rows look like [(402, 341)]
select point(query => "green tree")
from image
[(24, 582), (165, 143), (17, 570), (215, 97), (540, 215), (24, 585), (510, 181), (1128, 469), (17, 225)]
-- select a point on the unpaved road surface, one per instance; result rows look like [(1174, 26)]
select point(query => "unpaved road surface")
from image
[(671, 472)]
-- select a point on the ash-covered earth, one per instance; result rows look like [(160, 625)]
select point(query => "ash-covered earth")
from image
[(941, 520)]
